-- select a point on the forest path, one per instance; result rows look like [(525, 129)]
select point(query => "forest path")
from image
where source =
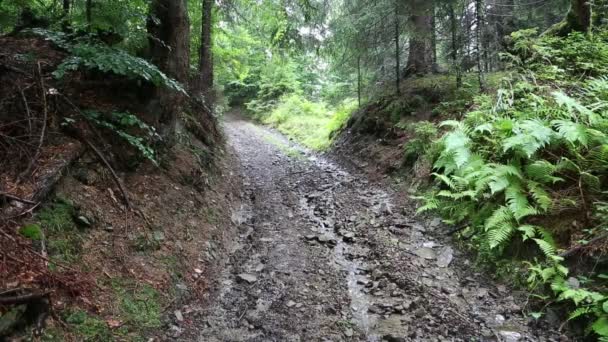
[(324, 255)]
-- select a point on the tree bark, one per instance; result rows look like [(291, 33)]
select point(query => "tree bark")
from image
[(434, 65), (578, 18), (66, 7), (88, 11), (397, 54), (205, 54), (169, 42), (420, 54), (479, 31), (359, 81), (455, 44)]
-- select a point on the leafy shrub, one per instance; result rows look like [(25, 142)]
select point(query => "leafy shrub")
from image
[(84, 52), (423, 135), (530, 153), (120, 123)]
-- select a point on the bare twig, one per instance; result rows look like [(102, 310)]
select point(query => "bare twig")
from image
[(15, 198), (43, 132), (578, 248), (114, 175)]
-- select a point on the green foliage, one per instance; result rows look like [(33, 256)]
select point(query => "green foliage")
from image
[(87, 52), (62, 234), (139, 306), (310, 123), (31, 231), (89, 328), (122, 124), (423, 135), (501, 168)]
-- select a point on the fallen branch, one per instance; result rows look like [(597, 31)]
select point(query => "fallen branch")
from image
[(578, 248), (15, 198), (43, 132), (122, 188)]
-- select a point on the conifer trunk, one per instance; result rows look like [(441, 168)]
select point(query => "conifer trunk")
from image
[(420, 54), (205, 54), (169, 49)]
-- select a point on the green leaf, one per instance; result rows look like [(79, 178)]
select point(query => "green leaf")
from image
[(600, 326)]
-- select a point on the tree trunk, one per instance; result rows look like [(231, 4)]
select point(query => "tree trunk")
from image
[(359, 81), (454, 54), (434, 65), (169, 49), (88, 11), (578, 18), (479, 30), (65, 21), (397, 54), (420, 54), (205, 65)]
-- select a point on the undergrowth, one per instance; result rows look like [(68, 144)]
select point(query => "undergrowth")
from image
[(309, 123), (535, 151)]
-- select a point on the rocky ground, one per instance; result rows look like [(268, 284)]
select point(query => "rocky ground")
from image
[(325, 255)]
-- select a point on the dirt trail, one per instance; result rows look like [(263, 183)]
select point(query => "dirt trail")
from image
[(324, 255)]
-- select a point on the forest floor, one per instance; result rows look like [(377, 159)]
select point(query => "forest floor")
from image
[(324, 254)]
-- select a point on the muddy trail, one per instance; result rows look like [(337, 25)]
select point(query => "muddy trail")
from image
[(325, 255)]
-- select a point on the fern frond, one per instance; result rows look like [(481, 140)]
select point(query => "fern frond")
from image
[(529, 231), (591, 181), (517, 201), (542, 171), (540, 196), (457, 142), (547, 248), (500, 234), (571, 131), (500, 215), (445, 180), (581, 311)]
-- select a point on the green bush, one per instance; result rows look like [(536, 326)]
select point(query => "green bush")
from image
[(87, 52), (528, 154)]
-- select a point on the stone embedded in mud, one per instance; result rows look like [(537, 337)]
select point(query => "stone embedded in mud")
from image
[(178, 316), (445, 257), (247, 278), (291, 303), (509, 336), (83, 221), (425, 253), (328, 240)]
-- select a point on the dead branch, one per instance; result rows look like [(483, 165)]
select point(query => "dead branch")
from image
[(15, 198), (122, 188), (43, 132), (578, 248), (22, 299)]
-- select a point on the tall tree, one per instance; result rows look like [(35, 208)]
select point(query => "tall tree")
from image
[(455, 44), (420, 59), (169, 31), (397, 52), (479, 21), (205, 65)]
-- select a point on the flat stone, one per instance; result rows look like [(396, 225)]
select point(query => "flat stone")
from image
[(247, 278), (445, 257), (291, 303), (425, 253), (509, 336), (178, 315)]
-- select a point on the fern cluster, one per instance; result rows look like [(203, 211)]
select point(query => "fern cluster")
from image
[(506, 166)]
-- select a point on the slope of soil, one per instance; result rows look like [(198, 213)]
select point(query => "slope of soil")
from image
[(325, 255)]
